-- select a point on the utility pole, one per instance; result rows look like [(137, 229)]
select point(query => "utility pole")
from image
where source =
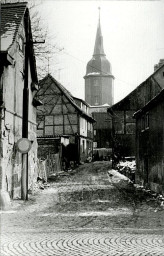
[(24, 187), (28, 45)]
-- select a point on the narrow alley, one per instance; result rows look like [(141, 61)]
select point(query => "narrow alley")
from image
[(81, 128), (83, 213)]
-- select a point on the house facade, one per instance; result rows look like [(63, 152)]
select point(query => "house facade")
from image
[(14, 62), (122, 113), (64, 118), (102, 128), (150, 144)]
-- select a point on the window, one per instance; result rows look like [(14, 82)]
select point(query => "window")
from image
[(143, 123), (147, 121), (119, 122), (129, 122), (95, 144), (21, 44), (96, 100), (119, 128), (96, 82), (130, 128), (89, 126), (83, 146), (129, 116), (119, 116), (124, 122)]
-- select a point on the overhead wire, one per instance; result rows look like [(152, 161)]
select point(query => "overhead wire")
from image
[(82, 61)]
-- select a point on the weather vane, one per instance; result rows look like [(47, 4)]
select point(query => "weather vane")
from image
[(99, 11)]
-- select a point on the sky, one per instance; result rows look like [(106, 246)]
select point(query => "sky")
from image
[(133, 39)]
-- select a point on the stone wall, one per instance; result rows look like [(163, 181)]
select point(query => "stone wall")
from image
[(11, 159), (12, 82)]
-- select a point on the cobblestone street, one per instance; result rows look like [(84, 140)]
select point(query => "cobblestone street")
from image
[(82, 243), (81, 128), (82, 214)]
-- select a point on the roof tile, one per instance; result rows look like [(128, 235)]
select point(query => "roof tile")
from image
[(11, 18)]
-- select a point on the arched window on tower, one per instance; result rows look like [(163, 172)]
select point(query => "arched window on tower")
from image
[(96, 82), (96, 100)]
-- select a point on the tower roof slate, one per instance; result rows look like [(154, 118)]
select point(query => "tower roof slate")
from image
[(99, 49), (99, 65)]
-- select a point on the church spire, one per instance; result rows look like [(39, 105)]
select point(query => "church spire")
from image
[(99, 14), (99, 49)]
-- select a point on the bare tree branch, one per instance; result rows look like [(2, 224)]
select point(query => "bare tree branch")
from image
[(45, 53)]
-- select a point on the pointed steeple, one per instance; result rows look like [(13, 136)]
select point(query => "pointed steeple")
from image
[(99, 49), (99, 78)]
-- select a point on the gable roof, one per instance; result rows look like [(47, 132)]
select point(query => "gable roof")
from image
[(12, 15), (11, 18), (157, 99), (67, 94), (81, 100), (121, 102)]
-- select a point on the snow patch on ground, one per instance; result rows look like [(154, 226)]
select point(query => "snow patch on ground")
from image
[(119, 180)]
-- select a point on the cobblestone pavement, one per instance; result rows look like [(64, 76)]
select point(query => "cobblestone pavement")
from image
[(82, 243)]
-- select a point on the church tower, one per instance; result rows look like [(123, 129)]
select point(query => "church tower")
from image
[(99, 79)]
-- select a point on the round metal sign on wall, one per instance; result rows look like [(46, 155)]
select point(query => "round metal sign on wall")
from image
[(24, 145)]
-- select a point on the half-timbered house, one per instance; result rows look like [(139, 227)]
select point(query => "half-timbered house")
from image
[(122, 113), (62, 119), (150, 144)]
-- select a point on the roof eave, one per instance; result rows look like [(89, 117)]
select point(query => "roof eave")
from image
[(151, 103), (83, 101), (70, 98), (119, 102), (6, 59), (88, 117), (36, 102)]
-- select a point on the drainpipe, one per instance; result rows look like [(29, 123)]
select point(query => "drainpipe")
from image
[(24, 187), (1, 111), (111, 114), (78, 138)]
